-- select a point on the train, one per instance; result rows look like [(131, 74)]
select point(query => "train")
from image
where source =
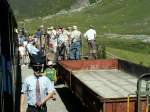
[(108, 85), (10, 71)]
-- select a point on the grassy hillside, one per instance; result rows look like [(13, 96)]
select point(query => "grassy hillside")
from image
[(36, 8), (109, 16)]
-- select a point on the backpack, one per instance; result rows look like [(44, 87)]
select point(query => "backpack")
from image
[(51, 74)]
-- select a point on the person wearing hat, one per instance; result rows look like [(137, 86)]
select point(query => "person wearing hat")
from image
[(90, 35), (50, 72), (38, 90), (75, 44)]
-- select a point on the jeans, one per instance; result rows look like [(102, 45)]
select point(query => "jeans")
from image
[(75, 51)]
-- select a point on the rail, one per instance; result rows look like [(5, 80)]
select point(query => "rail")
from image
[(128, 101)]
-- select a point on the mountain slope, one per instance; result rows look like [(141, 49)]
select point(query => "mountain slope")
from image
[(39, 8), (108, 16), (36, 8)]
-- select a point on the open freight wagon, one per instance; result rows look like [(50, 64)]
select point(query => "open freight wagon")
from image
[(105, 85)]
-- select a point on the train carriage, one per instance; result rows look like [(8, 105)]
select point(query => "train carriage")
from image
[(10, 75)]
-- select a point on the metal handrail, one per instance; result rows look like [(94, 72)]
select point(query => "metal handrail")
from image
[(145, 77)]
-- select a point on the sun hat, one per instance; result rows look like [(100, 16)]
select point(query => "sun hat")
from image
[(41, 26), (51, 28), (74, 27), (91, 26), (50, 63)]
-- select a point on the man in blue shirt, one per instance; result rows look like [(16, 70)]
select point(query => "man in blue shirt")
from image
[(37, 96)]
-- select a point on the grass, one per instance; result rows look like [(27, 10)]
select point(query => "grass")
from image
[(125, 44), (114, 16), (138, 58), (38, 8)]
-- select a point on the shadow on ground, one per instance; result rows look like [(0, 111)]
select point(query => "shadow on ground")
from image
[(71, 102)]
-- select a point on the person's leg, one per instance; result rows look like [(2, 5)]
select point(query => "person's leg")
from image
[(56, 55), (44, 109), (67, 51), (72, 51), (93, 47), (90, 50), (30, 63), (63, 50), (77, 50), (31, 109)]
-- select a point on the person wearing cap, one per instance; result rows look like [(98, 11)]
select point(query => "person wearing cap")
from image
[(31, 48), (38, 35), (75, 44), (22, 54), (50, 72), (34, 53), (37, 89), (53, 39), (21, 38), (90, 35), (47, 38)]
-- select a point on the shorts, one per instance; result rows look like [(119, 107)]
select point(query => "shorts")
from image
[(92, 44)]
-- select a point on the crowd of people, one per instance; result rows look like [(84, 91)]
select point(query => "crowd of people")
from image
[(65, 44)]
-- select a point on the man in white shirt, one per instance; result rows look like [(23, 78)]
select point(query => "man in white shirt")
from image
[(32, 49), (34, 53), (90, 35), (75, 44), (37, 90)]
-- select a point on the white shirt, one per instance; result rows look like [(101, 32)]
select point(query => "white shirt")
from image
[(29, 88), (32, 49), (90, 34), (25, 43), (61, 39), (66, 35), (75, 36), (22, 50), (53, 38)]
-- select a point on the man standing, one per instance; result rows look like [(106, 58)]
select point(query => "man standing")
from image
[(90, 35), (75, 44), (38, 90)]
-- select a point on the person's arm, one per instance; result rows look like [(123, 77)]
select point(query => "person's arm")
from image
[(50, 95), (95, 35), (22, 99), (51, 91), (55, 76), (45, 72)]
